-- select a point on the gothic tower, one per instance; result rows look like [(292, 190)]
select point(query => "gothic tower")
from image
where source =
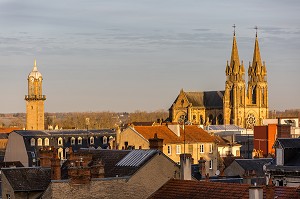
[(234, 97), (35, 101), (257, 93)]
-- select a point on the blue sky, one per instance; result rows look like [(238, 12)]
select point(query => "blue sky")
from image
[(127, 55)]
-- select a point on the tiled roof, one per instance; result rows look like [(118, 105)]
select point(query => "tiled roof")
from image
[(188, 189), (136, 157), (8, 130), (229, 127), (193, 134), (28, 179), (206, 98)]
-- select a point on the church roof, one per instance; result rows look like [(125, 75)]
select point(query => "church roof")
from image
[(206, 98)]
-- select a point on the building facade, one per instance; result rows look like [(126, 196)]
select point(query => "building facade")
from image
[(35, 101), (239, 104)]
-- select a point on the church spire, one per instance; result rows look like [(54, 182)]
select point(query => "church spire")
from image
[(235, 60), (256, 63)]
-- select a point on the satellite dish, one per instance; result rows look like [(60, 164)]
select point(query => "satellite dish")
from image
[(217, 172)]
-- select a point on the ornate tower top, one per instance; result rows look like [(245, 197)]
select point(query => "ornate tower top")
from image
[(235, 69), (35, 73)]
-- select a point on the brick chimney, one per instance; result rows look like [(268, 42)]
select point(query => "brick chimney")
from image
[(156, 143), (79, 172), (46, 154), (202, 168), (185, 166), (97, 170), (256, 192), (55, 166)]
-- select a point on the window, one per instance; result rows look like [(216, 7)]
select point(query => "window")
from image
[(169, 149), (201, 148), (104, 140), (60, 153), (79, 141), (210, 148), (92, 140), (46, 141), (178, 149), (32, 142), (8, 196), (60, 141), (40, 142), (211, 164), (72, 141)]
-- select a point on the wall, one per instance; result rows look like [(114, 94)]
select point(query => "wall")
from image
[(16, 150)]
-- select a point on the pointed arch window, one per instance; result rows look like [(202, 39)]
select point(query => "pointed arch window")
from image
[(60, 141), (92, 140), (263, 96), (231, 97), (72, 141), (241, 96), (254, 95)]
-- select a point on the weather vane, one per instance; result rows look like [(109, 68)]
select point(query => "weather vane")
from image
[(234, 29)]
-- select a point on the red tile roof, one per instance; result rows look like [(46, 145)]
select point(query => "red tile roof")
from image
[(188, 189), (8, 130), (193, 134)]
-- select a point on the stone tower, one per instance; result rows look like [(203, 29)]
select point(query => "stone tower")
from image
[(234, 97), (245, 106), (257, 89), (35, 101)]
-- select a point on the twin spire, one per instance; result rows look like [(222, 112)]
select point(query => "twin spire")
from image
[(235, 70)]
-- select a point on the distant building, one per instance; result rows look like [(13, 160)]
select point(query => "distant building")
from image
[(24, 146), (93, 173), (176, 140), (264, 139), (251, 170), (35, 101), (244, 106), (285, 170)]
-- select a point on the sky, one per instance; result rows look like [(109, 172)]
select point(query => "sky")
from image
[(128, 55)]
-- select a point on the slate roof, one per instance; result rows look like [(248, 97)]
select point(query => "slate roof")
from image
[(254, 164), (121, 162), (206, 98), (11, 164), (33, 133), (193, 134), (28, 179), (229, 127), (288, 143), (188, 189)]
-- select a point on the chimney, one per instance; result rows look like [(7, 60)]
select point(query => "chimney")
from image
[(186, 167), (97, 170), (270, 190), (256, 192), (202, 169), (79, 172), (156, 143), (55, 166), (45, 153)]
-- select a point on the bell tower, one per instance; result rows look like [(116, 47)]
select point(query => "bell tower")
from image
[(257, 86), (35, 101), (234, 96)]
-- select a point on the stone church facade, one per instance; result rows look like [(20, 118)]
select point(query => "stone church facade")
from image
[(238, 104), (35, 101)]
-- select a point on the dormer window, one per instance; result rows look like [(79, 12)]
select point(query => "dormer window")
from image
[(104, 141), (32, 142), (60, 141), (40, 142), (46, 141), (79, 140), (92, 141), (72, 141)]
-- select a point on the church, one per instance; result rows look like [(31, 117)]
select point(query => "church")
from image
[(238, 104)]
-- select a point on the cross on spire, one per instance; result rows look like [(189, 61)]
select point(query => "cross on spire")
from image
[(234, 29), (256, 30)]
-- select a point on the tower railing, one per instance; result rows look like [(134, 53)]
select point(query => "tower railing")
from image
[(35, 97)]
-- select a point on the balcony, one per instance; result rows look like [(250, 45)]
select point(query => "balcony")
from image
[(35, 97)]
